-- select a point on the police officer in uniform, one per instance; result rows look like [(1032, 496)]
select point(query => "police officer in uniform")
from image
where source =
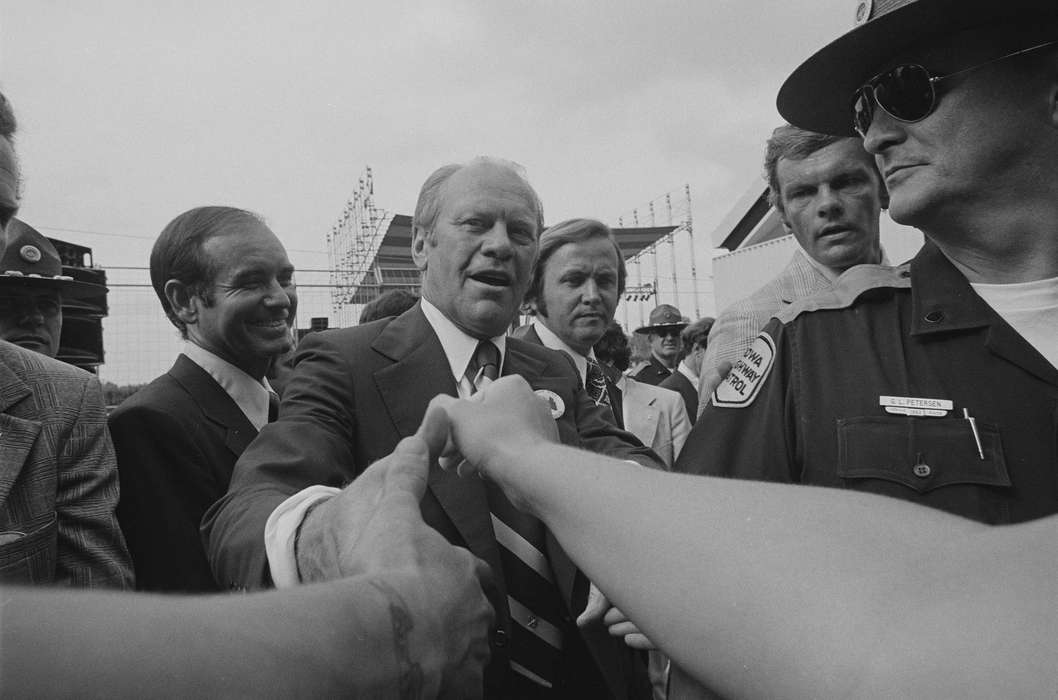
[(935, 381), (663, 330)]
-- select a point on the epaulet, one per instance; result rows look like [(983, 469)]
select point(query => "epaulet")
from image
[(847, 289)]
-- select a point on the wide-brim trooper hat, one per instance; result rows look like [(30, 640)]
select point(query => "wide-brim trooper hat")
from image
[(818, 94), (662, 317), (29, 259)]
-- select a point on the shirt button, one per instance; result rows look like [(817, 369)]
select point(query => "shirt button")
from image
[(531, 622), (922, 470), (934, 317), (500, 638)]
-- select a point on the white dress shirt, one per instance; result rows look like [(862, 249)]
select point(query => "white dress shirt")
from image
[(249, 394), (282, 525), (552, 341)]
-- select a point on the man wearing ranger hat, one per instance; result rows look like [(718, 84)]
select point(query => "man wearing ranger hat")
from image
[(666, 323), (32, 289), (936, 381)]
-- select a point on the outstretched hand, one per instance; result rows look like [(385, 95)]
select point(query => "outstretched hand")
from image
[(481, 434)]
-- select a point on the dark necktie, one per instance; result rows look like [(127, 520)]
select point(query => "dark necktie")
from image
[(532, 597), (596, 386)]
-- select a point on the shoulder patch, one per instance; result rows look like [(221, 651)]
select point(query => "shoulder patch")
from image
[(745, 379), (848, 288)]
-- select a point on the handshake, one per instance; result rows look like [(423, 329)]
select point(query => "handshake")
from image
[(373, 528)]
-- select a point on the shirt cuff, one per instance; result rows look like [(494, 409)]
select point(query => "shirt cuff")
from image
[(281, 528)]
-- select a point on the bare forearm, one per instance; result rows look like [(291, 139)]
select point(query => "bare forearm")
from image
[(348, 637), (763, 589)]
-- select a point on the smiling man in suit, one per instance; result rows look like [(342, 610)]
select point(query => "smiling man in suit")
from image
[(225, 282), (356, 392)]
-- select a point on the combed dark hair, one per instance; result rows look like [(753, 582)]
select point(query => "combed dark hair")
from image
[(428, 206), (794, 143), (177, 254), (613, 347), (392, 303), (697, 333), (570, 231), (8, 125)]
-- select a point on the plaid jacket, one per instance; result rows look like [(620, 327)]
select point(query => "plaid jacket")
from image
[(58, 477)]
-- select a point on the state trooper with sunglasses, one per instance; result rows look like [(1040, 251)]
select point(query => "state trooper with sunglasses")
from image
[(935, 381)]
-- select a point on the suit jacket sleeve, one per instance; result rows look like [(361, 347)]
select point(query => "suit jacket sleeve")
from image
[(680, 424), (91, 551), (598, 433), (313, 442), (754, 441), (167, 482)]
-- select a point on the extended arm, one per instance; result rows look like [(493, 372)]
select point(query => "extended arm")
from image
[(767, 590), (409, 621)]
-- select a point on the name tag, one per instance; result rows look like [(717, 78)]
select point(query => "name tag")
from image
[(914, 406)]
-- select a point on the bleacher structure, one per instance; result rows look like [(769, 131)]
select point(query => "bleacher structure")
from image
[(81, 339), (369, 250)]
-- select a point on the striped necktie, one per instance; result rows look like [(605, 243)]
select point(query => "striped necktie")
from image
[(596, 385), (532, 597)]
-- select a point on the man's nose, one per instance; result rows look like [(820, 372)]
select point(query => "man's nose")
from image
[(829, 202), (497, 240)]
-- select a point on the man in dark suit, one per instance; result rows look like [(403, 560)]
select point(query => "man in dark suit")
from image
[(695, 338), (225, 282), (577, 281), (356, 392)]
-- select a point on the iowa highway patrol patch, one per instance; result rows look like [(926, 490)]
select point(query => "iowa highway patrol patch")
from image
[(745, 379)]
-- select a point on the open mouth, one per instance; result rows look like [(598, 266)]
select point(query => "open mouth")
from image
[(493, 278)]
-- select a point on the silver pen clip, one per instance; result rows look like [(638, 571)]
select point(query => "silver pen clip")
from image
[(973, 427)]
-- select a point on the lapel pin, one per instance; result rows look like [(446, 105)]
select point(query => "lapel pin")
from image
[(553, 401)]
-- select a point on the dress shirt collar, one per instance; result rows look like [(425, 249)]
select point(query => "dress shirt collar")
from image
[(550, 340), (457, 345), (249, 394), (691, 375)]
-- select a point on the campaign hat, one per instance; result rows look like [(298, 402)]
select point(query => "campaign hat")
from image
[(664, 316), (818, 94), (29, 259)]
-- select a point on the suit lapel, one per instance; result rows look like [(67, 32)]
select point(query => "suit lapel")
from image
[(419, 372), (17, 435), (215, 403)]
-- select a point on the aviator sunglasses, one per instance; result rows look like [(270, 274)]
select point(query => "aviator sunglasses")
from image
[(908, 92)]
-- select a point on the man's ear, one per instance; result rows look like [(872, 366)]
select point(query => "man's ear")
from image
[(782, 220), (419, 245), (181, 301)]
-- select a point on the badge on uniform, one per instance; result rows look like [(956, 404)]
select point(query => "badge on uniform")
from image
[(745, 379), (912, 406), (554, 402)]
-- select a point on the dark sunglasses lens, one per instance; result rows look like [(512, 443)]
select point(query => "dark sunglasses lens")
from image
[(862, 112), (905, 92)]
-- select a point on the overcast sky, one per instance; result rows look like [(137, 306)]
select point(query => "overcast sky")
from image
[(131, 112)]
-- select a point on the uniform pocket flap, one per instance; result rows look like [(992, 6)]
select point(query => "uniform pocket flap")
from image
[(921, 453)]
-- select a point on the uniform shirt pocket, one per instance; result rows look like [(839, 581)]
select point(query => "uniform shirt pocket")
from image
[(931, 461)]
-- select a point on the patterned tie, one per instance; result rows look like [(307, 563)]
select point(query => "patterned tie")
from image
[(596, 386), (532, 597)]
